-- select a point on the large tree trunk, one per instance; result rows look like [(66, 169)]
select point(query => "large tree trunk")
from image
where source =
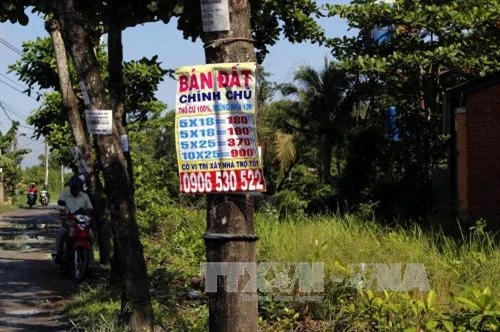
[(70, 102), (115, 172), (116, 90), (230, 312)]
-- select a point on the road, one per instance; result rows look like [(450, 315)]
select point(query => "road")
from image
[(32, 290)]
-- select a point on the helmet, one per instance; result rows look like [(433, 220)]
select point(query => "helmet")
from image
[(76, 183), (32, 184)]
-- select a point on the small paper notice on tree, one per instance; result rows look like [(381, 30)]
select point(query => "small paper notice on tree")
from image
[(215, 15), (124, 142), (99, 122)]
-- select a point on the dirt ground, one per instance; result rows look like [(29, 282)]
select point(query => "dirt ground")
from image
[(33, 292)]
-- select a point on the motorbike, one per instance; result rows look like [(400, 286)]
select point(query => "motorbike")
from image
[(31, 199), (44, 198), (77, 253)]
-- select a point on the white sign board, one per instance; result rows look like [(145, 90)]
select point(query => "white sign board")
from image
[(99, 122), (215, 15), (124, 142)]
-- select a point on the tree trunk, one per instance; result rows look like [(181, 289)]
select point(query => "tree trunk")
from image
[(115, 173), (230, 312), (70, 102), (116, 90)]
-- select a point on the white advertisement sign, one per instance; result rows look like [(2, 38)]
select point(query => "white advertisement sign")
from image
[(99, 122), (215, 15)]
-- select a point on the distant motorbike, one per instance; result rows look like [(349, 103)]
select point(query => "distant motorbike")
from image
[(77, 249), (31, 199), (44, 198)]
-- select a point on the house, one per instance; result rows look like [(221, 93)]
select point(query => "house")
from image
[(472, 119)]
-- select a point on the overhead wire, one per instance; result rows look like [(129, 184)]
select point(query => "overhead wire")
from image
[(13, 110), (16, 89), (2, 105), (5, 111), (13, 81), (21, 85), (10, 46), (19, 52)]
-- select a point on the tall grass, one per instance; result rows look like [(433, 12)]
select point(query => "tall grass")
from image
[(174, 248), (451, 265)]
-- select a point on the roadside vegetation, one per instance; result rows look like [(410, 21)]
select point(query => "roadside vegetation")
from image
[(462, 275), (354, 155)]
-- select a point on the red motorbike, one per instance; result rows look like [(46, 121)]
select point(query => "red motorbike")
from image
[(77, 249)]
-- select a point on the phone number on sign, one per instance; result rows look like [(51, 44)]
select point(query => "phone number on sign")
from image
[(222, 181)]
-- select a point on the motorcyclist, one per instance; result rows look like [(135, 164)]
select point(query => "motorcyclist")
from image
[(32, 189), (75, 199), (45, 191)]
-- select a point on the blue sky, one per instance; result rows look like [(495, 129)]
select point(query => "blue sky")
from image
[(146, 40)]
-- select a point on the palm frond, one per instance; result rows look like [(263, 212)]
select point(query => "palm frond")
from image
[(309, 79), (6, 160), (288, 89), (285, 149)]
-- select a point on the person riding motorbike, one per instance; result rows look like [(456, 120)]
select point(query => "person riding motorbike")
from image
[(45, 191), (75, 199), (32, 189)]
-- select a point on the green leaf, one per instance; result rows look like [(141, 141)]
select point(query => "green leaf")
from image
[(467, 303), (448, 325)]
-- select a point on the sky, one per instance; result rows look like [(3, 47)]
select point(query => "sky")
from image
[(146, 40)]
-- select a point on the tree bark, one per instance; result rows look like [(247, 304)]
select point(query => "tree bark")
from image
[(115, 173), (116, 90), (71, 104), (231, 312)]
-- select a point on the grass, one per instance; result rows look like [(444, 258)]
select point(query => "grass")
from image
[(7, 207), (95, 307), (451, 265), (174, 249)]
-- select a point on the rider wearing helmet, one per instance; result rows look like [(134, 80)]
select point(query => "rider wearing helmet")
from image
[(32, 188), (74, 200), (45, 191)]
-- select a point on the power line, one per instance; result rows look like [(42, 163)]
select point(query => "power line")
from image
[(7, 114), (14, 81), (11, 47), (14, 88), (21, 85), (27, 140), (13, 110), (10, 119)]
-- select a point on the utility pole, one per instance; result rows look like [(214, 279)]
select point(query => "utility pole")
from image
[(14, 142), (46, 164), (62, 177), (230, 233)]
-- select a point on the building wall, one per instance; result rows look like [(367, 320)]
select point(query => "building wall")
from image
[(483, 144)]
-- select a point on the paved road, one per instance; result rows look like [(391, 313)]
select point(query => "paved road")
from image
[(32, 290)]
